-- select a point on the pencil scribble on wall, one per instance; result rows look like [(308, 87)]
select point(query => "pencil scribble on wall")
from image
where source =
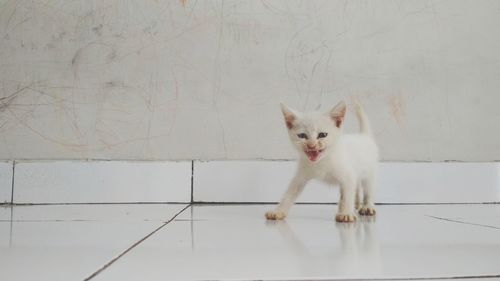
[(203, 79)]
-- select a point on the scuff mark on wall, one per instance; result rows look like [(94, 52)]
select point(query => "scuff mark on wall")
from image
[(6, 101), (98, 29), (397, 108), (93, 55), (217, 76), (183, 3), (75, 61)]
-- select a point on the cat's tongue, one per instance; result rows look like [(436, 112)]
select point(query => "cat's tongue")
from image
[(312, 155)]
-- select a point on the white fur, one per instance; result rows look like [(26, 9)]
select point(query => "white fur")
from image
[(347, 160)]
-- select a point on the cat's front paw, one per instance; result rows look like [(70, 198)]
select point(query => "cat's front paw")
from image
[(367, 211), (275, 215), (345, 217)]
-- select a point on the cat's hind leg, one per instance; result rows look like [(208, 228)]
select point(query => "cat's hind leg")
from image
[(368, 208), (357, 199)]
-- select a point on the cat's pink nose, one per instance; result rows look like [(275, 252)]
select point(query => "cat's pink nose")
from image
[(311, 146)]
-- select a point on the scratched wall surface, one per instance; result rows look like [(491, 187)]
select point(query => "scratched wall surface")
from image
[(135, 79)]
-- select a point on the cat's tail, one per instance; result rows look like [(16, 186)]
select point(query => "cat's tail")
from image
[(364, 123)]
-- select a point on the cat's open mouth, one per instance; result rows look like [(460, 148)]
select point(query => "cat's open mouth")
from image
[(313, 155)]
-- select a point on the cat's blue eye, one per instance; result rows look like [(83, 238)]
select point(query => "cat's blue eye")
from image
[(302, 136), (322, 135)]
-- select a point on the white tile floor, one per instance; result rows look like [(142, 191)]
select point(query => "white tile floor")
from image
[(70, 242), (234, 242)]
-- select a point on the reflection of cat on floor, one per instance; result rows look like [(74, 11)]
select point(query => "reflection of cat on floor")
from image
[(360, 246), (355, 254), (333, 157)]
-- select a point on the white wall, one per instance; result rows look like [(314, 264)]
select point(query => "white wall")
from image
[(124, 79)]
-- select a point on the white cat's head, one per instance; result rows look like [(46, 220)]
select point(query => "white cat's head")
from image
[(313, 133)]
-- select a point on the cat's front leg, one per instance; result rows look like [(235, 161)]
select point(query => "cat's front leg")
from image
[(294, 189), (346, 212)]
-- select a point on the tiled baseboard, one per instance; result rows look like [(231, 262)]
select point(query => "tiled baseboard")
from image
[(251, 181), (5, 181), (102, 182), (233, 181), (266, 181)]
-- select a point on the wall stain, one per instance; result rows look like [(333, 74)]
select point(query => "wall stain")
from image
[(98, 29), (397, 108)]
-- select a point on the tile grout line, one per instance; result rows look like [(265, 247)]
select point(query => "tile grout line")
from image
[(135, 245), (192, 181), (11, 225), (13, 180), (238, 203), (463, 222), (335, 203), (95, 203), (464, 277)]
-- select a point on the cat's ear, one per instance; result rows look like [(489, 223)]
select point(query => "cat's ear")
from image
[(337, 113), (289, 114)]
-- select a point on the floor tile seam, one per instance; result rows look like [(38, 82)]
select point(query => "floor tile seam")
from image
[(463, 277), (94, 203), (108, 264), (199, 203), (462, 222), (82, 220), (239, 203)]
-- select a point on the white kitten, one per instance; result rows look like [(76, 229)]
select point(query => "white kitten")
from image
[(335, 158)]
